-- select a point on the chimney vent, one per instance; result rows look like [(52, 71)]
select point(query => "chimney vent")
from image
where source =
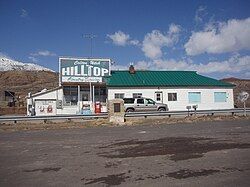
[(131, 69)]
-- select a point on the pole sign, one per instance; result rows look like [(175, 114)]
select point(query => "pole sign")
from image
[(83, 70)]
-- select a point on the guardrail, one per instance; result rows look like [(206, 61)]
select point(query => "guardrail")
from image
[(57, 117), (187, 113), (127, 115)]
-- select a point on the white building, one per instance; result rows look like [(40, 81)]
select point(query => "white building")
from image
[(86, 81)]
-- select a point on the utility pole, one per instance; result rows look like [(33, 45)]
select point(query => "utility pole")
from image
[(91, 88), (90, 37)]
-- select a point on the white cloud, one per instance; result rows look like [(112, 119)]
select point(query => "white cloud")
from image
[(43, 53), (226, 37), (134, 42), (142, 65), (234, 65), (5, 55), (33, 59), (23, 13), (174, 29), (119, 67), (199, 14), (121, 39), (154, 42)]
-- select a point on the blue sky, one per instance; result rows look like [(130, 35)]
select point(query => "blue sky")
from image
[(211, 37)]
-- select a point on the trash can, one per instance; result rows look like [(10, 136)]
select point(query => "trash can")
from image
[(97, 107)]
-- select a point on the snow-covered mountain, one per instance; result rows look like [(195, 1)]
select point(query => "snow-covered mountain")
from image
[(7, 64)]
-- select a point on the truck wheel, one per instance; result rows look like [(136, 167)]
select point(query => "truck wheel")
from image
[(130, 110), (162, 109)]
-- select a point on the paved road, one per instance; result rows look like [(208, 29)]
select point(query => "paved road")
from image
[(201, 154)]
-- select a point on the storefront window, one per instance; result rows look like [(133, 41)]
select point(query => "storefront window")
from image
[(70, 95), (100, 94)]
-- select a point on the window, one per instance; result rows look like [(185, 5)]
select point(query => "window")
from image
[(158, 96), (137, 95), (100, 94), (194, 97), (150, 101), (85, 96), (140, 101), (220, 97), (129, 100), (119, 95), (70, 95), (172, 96)]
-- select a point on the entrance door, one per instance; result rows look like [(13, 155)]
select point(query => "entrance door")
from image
[(85, 96), (159, 97)]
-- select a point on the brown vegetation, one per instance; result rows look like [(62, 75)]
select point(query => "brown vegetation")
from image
[(240, 85), (23, 82)]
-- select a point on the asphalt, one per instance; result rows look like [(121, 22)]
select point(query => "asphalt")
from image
[(198, 154)]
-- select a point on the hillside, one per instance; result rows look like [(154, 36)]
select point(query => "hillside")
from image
[(241, 85), (23, 82), (23, 78)]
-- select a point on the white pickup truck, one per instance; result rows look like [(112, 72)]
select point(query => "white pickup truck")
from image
[(143, 105)]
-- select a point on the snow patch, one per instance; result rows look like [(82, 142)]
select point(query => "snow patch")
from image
[(8, 65)]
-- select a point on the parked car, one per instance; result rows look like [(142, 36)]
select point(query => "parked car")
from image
[(143, 105)]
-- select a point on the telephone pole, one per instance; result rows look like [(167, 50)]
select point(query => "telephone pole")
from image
[(90, 37)]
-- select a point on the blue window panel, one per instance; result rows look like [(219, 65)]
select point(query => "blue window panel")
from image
[(194, 97), (220, 97)]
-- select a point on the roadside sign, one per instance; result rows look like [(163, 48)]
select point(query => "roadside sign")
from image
[(83, 70)]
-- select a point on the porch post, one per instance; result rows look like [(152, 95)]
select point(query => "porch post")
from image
[(90, 92), (93, 94), (79, 97)]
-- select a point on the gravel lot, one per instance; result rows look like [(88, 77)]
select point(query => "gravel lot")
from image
[(212, 153)]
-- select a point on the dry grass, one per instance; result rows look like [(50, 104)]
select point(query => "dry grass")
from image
[(23, 126)]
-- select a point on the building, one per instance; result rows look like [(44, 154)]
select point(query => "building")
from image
[(178, 89), (7, 98), (83, 82)]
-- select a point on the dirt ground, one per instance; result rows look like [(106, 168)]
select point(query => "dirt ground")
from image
[(201, 153)]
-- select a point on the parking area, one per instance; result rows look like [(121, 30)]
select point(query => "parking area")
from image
[(194, 154)]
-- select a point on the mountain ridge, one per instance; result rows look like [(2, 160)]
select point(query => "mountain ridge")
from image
[(7, 64)]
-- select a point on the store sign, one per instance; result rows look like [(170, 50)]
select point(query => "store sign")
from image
[(83, 70)]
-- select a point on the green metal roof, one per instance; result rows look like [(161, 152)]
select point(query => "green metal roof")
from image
[(162, 78)]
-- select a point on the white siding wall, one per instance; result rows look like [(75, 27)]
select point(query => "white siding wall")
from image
[(51, 95), (207, 96), (57, 95)]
